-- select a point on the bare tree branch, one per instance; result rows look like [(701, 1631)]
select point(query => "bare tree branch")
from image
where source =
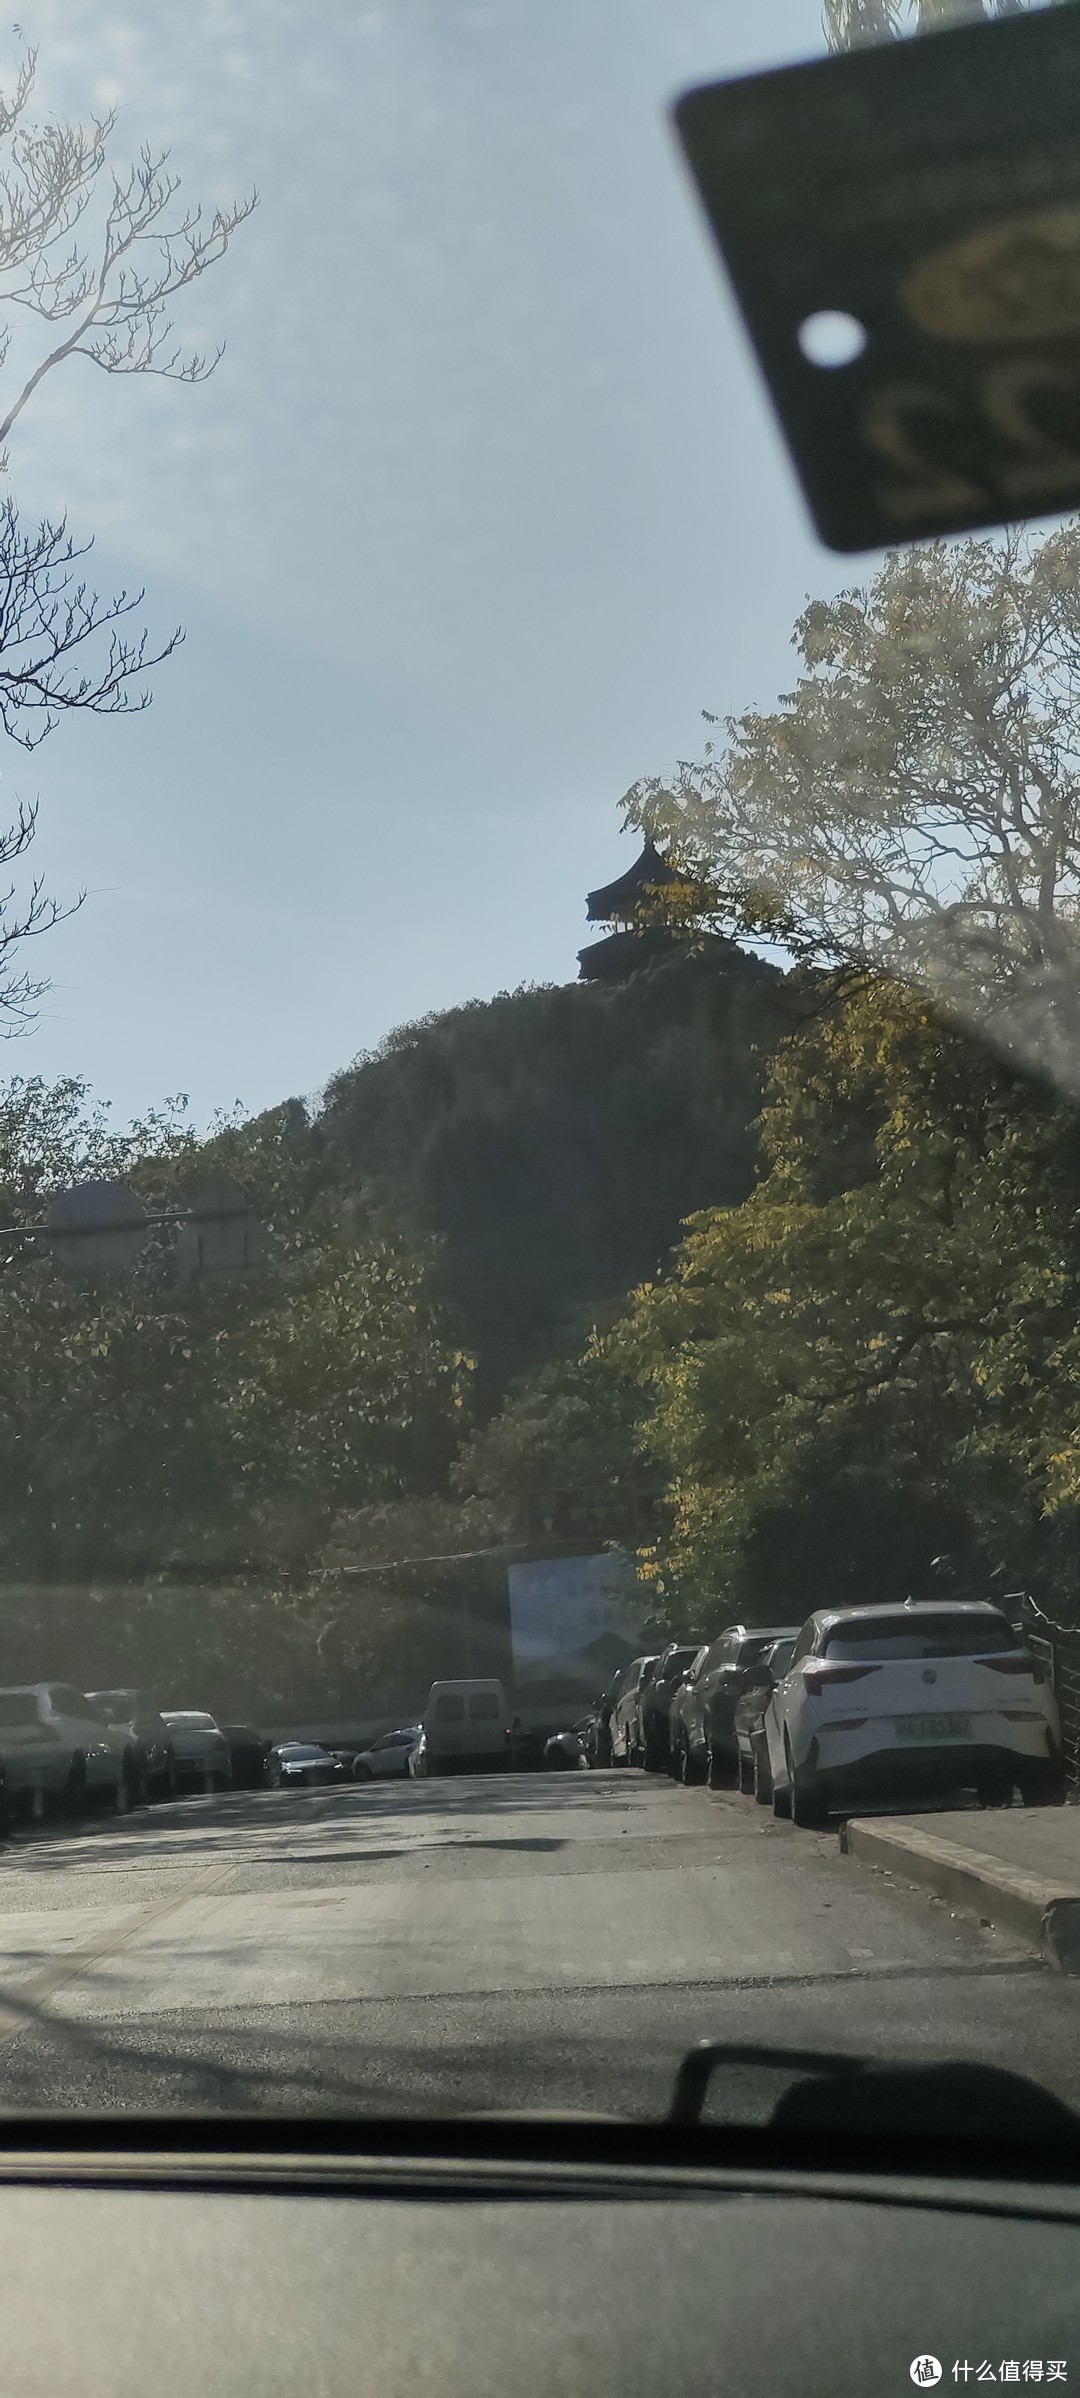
[(48, 182), (62, 646)]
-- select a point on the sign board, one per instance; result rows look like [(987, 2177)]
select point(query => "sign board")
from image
[(100, 1228), (575, 1619), (222, 1235), (617, 1512)]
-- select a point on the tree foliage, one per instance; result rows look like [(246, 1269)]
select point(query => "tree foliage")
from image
[(143, 1426), (912, 806), (553, 1140), (851, 23), (873, 1363)]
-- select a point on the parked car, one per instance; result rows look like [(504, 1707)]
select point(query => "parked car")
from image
[(58, 1746), (750, 1709), (135, 1710), (467, 1727), (679, 1755), (200, 1749), (565, 1751), (708, 1750), (303, 1764), (625, 1714), (526, 1747), (654, 1706), (388, 1756), (248, 1752), (598, 1736), (909, 1702)]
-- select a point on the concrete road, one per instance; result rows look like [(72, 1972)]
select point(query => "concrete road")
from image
[(519, 1941)]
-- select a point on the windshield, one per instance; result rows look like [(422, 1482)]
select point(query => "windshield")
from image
[(540, 1111)]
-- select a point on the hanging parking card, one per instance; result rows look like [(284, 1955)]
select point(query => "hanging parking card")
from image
[(901, 226)]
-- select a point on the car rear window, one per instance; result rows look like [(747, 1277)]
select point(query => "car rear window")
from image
[(752, 1651), (17, 1707), (483, 1705), (450, 1709), (889, 1637)]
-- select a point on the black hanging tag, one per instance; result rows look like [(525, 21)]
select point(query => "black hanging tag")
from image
[(902, 229)]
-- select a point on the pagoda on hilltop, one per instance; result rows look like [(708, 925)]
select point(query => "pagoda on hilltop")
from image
[(638, 933)]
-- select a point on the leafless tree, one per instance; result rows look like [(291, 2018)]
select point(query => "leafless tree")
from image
[(48, 619), (115, 305), (61, 645)]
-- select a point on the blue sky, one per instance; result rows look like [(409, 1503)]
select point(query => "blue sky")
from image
[(482, 508)]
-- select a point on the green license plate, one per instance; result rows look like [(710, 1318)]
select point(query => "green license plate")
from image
[(933, 1727)]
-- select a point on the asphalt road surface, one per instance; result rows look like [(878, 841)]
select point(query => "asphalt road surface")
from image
[(518, 1941)]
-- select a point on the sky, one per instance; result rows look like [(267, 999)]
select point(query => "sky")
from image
[(482, 508)]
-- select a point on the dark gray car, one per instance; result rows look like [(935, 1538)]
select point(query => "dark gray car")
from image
[(707, 1748), (673, 1664), (156, 1762), (750, 1739)]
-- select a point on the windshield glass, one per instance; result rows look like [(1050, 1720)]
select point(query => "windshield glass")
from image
[(540, 1112), (934, 1636), (17, 1707)]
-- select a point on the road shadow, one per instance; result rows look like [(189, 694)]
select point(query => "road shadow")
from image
[(215, 1820)]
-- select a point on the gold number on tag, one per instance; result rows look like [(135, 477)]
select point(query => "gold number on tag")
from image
[(888, 425), (1045, 463)]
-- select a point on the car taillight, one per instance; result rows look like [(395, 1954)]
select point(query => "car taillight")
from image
[(821, 1677), (1034, 1666)]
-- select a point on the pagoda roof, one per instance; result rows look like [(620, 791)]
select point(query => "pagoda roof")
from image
[(622, 953), (620, 900)]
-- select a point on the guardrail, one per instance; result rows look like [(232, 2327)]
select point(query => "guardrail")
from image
[(1059, 1646)]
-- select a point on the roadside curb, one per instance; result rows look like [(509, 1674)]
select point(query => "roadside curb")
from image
[(1044, 1913)]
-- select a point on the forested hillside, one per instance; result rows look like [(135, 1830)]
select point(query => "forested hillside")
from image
[(552, 1141), (208, 1463)]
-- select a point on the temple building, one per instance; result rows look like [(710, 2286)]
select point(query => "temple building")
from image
[(627, 906)]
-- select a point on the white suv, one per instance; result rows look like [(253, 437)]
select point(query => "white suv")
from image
[(57, 1745), (911, 1701)]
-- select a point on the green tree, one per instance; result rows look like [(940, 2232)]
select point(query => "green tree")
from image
[(912, 807), (226, 1423), (568, 1430), (870, 1364), (552, 1141)]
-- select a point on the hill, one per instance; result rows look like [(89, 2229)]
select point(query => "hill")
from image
[(554, 1139)]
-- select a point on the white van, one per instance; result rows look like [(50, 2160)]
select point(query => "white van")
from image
[(467, 1728)]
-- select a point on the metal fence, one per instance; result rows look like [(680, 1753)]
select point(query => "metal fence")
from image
[(1059, 1645)]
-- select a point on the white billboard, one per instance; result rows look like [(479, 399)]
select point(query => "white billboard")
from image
[(575, 1619)]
